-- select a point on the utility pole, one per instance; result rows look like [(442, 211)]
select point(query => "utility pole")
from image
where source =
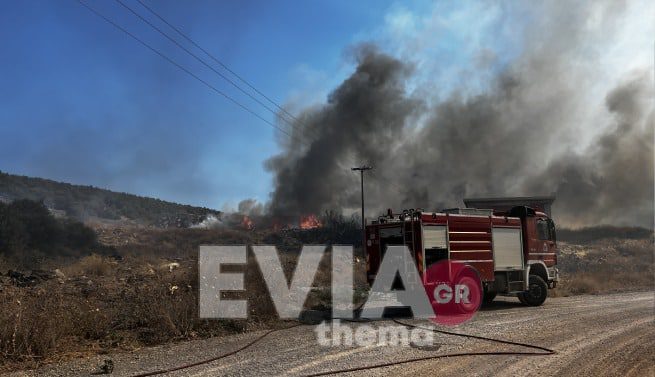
[(361, 170)]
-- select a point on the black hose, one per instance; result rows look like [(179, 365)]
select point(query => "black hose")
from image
[(185, 366), (545, 351)]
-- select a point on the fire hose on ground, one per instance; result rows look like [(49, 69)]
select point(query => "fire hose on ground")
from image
[(543, 351)]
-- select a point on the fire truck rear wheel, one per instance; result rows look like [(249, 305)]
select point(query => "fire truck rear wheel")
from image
[(470, 279), (536, 293)]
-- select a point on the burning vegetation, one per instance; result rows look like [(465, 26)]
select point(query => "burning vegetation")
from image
[(309, 222), (261, 222), (247, 223)]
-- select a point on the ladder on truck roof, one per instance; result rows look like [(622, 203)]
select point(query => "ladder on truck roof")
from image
[(409, 235)]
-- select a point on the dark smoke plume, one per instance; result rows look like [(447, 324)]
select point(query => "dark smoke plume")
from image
[(613, 180), (366, 114), (520, 136)]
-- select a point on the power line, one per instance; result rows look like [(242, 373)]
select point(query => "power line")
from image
[(294, 123), (143, 19), (162, 55), (173, 40), (214, 58), (187, 71)]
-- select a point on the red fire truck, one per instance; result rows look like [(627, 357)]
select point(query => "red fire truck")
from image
[(513, 250)]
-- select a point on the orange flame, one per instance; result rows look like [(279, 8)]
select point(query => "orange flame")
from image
[(246, 222), (309, 222)]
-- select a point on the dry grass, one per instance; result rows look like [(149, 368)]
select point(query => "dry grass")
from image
[(92, 265), (604, 266), (595, 283), (105, 304), (38, 322), (27, 327)]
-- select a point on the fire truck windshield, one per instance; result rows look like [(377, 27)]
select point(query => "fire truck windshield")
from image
[(546, 229)]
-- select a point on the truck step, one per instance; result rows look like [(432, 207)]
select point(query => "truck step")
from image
[(515, 285)]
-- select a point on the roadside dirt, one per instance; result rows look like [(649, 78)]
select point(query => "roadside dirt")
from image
[(595, 335)]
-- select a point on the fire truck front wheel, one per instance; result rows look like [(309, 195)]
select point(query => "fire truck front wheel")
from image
[(521, 298), (536, 293)]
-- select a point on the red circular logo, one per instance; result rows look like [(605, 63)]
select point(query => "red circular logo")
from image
[(454, 290)]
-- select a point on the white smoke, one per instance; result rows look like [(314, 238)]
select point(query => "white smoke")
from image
[(210, 222)]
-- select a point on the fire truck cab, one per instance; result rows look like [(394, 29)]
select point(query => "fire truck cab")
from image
[(513, 251)]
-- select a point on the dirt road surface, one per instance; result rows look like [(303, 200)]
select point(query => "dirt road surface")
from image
[(602, 335)]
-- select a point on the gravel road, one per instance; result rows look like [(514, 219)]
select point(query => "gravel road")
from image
[(598, 335)]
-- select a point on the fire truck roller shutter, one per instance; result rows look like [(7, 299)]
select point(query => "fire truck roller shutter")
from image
[(507, 247), (435, 242)]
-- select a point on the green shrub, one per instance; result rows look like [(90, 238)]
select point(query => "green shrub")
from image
[(27, 229)]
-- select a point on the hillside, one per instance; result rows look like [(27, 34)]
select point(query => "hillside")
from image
[(88, 203)]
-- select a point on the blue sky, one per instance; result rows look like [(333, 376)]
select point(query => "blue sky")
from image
[(84, 103)]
